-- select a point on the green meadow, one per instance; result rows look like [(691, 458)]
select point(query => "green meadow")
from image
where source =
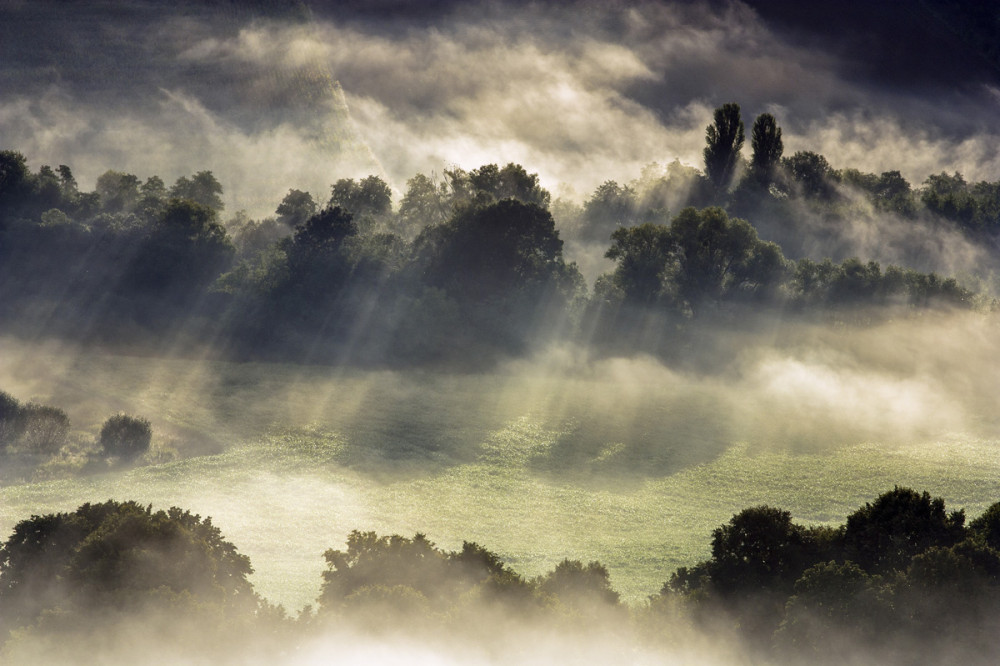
[(534, 464)]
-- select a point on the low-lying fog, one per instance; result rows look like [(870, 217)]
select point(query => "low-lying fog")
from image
[(622, 460)]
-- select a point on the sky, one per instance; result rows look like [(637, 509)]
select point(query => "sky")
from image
[(278, 95)]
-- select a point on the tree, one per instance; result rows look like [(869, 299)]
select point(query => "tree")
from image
[(493, 253), (812, 172), (765, 139), (719, 257), (119, 191), (369, 197), (202, 188), (580, 586), (45, 428), (387, 561), (759, 550), (324, 232), (152, 198), (834, 604), (643, 254), (489, 183), (124, 436), (118, 556), (725, 140), (609, 208), (11, 420), (15, 178), (296, 208), (424, 204), (886, 534), (185, 249), (987, 526)]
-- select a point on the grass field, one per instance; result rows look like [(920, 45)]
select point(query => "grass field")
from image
[(535, 466)]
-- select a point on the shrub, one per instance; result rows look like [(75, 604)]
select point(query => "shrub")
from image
[(45, 428), (125, 436), (11, 420)]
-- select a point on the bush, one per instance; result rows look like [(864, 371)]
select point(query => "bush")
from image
[(125, 436), (11, 420), (45, 428)]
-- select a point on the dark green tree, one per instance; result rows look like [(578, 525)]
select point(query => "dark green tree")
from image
[(885, 535), (11, 420), (369, 197), (186, 249), (15, 179), (119, 191), (45, 429), (765, 139), (119, 555), (759, 550), (124, 436), (295, 208), (987, 526), (202, 188), (644, 254), (725, 141), (609, 208), (424, 204), (720, 257), (579, 586), (812, 173)]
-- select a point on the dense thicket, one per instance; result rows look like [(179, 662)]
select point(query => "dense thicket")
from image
[(472, 264)]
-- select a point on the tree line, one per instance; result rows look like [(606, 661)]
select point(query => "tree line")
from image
[(903, 580), (470, 265)]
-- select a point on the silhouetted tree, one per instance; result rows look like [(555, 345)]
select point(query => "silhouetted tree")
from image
[(370, 196), (725, 140), (119, 555), (11, 420), (765, 139), (202, 188), (610, 207), (119, 191), (884, 535), (578, 585), (424, 204), (45, 428), (295, 208), (125, 436), (812, 172), (644, 254)]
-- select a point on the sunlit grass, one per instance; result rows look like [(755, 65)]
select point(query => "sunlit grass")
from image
[(526, 466)]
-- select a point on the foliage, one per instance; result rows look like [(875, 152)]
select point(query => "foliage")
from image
[(886, 534), (125, 436), (416, 573), (45, 428), (725, 141), (811, 172), (11, 420), (295, 208), (901, 566), (765, 139), (203, 188), (368, 198), (579, 585), (117, 555), (702, 257)]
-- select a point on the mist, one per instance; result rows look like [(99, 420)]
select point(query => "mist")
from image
[(341, 371)]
